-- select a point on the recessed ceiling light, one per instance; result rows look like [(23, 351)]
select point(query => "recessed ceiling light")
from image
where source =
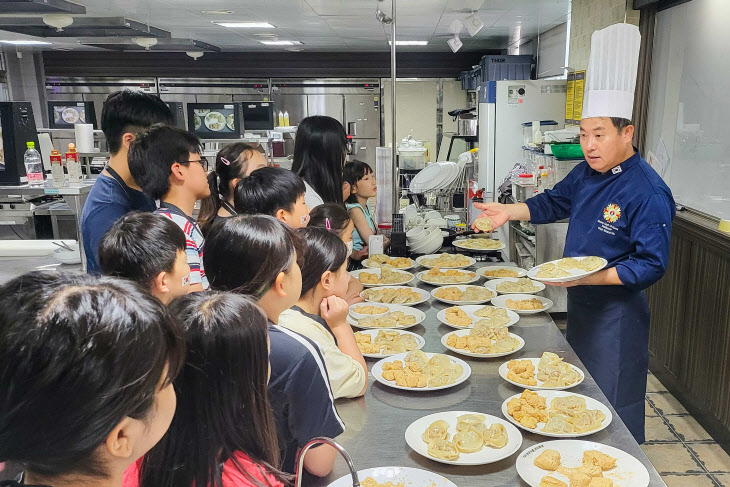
[(217, 12), (408, 43), (26, 43), (281, 43), (246, 25)]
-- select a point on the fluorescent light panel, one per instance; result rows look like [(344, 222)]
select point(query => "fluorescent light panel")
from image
[(281, 43), (246, 25), (26, 43), (409, 43)]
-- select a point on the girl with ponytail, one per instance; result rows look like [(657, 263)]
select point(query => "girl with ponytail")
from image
[(232, 163)]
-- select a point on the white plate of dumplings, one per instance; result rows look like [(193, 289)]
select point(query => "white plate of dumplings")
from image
[(492, 438)]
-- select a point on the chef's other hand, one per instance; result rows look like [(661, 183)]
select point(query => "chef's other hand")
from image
[(334, 310), (497, 212)]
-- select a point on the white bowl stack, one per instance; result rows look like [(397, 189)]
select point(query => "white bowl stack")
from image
[(424, 240)]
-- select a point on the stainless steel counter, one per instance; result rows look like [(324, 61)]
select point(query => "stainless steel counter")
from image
[(11, 267), (376, 423)]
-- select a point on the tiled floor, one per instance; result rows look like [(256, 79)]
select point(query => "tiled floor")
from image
[(680, 449)]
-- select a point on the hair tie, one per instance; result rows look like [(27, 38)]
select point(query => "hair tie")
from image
[(327, 224), (225, 161)]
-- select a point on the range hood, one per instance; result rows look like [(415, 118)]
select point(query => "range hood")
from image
[(40, 7), (168, 44), (82, 27)]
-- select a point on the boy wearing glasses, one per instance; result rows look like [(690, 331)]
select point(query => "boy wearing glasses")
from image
[(167, 164)]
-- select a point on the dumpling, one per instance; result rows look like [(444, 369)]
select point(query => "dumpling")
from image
[(606, 462), (552, 482), (568, 405), (443, 449), (468, 440), (576, 477), (408, 341), (439, 360), (418, 357), (559, 425), (600, 482), (470, 419), (495, 436), (438, 430), (548, 358), (588, 420), (548, 460)]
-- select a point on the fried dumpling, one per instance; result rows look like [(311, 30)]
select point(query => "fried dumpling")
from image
[(548, 460), (552, 482), (443, 449), (438, 430), (588, 420), (468, 440), (559, 425), (600, 482), (606, 462), (568, 405), (495, 436)]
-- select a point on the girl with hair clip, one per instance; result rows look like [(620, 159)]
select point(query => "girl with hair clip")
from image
[(321, 313), (263, 265), (87, 369), (335, 218), (232, 164), (320, 150), (224, 426)]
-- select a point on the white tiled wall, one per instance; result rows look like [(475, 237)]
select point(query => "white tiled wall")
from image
[(588, 16)]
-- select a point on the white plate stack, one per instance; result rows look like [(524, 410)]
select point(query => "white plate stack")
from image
[(424, 240), (439, 175)]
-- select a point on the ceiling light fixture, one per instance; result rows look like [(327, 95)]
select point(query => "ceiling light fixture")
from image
[(473, 24), (26, 43), (195, 54), (408, 43), (146, 42), (59, 21), (217, 12), (281, 43), (246, 25), (454, 43)]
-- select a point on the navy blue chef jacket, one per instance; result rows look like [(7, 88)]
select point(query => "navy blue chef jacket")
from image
[(624, 216)]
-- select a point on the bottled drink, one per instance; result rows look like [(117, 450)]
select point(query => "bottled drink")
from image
[(281, 119), (72, 165), (286, 118), (33, 165), (57, 176)]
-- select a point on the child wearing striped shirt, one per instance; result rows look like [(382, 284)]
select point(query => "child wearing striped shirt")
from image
[(168, 165)]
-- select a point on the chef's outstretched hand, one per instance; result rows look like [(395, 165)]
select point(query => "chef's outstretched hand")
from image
[(497, 212)]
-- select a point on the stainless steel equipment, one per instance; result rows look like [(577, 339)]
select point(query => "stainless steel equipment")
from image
[(299, 462), (466, 121)]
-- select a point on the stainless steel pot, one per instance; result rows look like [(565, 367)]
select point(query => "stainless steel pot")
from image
[(467, 126)]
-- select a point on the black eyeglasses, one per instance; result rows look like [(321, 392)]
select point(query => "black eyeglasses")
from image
[(203, 162)]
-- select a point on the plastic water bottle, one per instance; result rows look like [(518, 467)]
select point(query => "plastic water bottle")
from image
[(33, 165)]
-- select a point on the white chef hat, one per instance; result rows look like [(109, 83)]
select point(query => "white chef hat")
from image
[(611, 75)]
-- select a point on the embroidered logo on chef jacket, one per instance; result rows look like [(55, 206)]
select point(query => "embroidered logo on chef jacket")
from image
[(616, 170), (612, 213)]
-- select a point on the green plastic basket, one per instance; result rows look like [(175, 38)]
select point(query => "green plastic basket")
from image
[(567, 151)]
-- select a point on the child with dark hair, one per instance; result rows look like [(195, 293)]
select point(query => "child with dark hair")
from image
[(361, 178), (224, 426), (87, 368), (148, 249), (321, 312), (115, 192), (167, 163), (232, 164), (273, 191), (256, 255), (335, 218)]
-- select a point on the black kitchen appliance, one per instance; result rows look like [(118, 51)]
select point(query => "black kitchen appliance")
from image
[(17, 127), (258, 115), (215, 120), (66, 114), (178, 114)]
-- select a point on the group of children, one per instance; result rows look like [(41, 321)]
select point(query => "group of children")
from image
[(239, 316)]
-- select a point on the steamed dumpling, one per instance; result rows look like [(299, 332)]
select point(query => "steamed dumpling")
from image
[(568, 405), (559, 425), (588, 420), (438, 430), (495, 436), (443, 449), (468, 441)]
